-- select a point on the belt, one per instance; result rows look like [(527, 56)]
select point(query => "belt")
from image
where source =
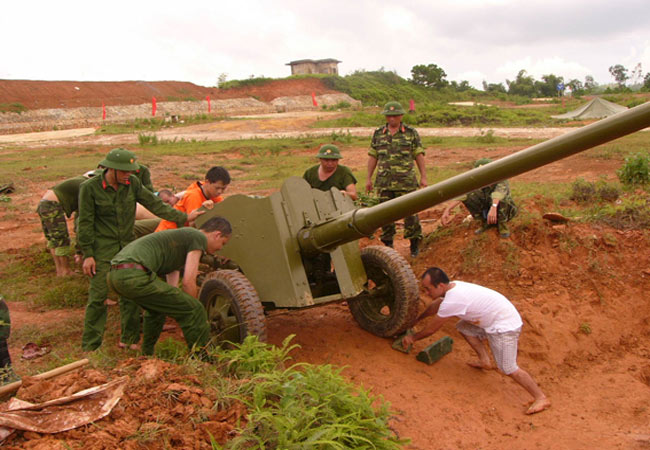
[(130, 266)]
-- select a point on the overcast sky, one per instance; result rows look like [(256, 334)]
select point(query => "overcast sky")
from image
[(191, 40)]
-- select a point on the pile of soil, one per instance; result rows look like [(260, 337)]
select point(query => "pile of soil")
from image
[(74, 94), (154, 412)]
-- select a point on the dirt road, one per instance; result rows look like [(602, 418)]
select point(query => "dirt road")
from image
[(269, 126)]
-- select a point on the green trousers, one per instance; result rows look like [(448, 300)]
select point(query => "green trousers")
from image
[(144, 227), (479, 205), (412, 227), (96, 312), (160, 300)]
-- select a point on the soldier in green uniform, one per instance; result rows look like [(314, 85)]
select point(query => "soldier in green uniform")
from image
[(396, 149), (144, 175), (136, 269), (329, 173), (491, 205), (57, 203), (7, 374), (107, 204)]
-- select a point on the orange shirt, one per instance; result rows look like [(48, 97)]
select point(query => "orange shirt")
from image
[(192, 200)]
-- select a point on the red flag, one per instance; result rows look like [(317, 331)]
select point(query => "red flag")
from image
[(103, 111), (153, 106), (411, 105), (207, 97), (313, 99)]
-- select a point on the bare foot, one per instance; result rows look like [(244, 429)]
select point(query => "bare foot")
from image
[(169, 326), (539, 406), (134, 347), (481, 365), (121, 345), (109, 302)]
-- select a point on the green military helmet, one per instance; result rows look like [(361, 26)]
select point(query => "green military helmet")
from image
[(120, 159), (329, 151), (393, 109), (481, 162)]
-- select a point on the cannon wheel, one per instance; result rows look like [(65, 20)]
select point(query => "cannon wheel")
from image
[(233, 307), (389, 304)]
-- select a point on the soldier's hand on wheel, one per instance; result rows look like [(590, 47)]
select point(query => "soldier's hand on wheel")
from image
[(208, 204), (423, 183), (89, 266)]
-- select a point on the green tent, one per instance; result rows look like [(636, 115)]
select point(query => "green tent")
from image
[(594, 109)]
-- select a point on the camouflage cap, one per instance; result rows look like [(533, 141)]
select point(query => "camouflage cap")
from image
[(482, 162), (329, 151), (393, 109), (120, 159)]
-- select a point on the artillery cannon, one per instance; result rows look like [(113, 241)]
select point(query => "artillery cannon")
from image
[(277, 242)]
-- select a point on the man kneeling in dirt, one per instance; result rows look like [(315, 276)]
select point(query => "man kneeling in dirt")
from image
[(485, 314), (491, 205), (135, 270)]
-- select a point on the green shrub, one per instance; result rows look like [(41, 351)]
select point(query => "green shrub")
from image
[(305, 406), (635, 170)]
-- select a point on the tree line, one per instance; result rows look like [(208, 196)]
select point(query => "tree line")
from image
[(434, 77)]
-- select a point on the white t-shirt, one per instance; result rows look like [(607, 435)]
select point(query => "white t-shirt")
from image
[(480, 306)]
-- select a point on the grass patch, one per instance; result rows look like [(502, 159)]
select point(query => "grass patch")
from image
[(29, 275), (473, 256), (445, 115), (14, 107), (583, 191), (631, 212), (158, 123)]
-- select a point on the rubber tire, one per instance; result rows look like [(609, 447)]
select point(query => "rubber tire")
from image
[(239, 303), (392, 274)]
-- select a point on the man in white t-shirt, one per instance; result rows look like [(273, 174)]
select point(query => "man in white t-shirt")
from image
[(485, 315)]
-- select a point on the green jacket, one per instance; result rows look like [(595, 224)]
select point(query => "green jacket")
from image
[(68, 194), (144, 175), (395, 158), (106, 216)]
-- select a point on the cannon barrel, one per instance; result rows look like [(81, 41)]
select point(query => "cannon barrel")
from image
[(364, 221)]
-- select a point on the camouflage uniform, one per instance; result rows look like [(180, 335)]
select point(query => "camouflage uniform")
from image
[(478, 204), (55, 227), (395, 156), (7, 374), (53, 214)]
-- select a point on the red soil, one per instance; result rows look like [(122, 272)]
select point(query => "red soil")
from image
[(74, 94)]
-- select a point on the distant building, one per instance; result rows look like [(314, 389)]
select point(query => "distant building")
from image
[(306, 66)]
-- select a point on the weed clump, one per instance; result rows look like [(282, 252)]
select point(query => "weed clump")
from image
[(635, 170), (583, 191)]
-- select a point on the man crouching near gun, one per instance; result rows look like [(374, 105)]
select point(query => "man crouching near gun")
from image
[(485, 315)]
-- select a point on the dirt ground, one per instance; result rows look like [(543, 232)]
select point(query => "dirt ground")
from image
[(599, 383)]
